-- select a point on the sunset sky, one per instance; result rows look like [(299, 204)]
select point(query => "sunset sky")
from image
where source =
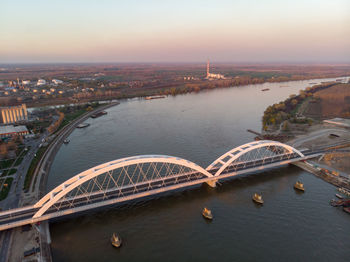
[(316, 31)]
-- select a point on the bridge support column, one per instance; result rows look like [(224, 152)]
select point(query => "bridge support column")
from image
[(212, 183)]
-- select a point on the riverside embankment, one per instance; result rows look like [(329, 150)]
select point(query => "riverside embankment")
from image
[(39, 235)]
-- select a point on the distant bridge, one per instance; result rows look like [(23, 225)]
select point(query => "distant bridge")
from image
[(141, 176)]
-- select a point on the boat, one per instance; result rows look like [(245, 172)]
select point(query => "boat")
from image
[(66, 141), (258, 198), (346, 209), (98, 114), (299, 186), (344, 191), (339, 196), (336, 203), (265, 89), (116, 240), (207, 213), (154, 97), (83, 125)]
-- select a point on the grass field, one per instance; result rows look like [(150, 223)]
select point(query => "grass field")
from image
[(6, 189)]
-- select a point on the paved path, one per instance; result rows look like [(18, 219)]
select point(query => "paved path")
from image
[(316, 134)]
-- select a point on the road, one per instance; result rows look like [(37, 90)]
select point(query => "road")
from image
[(316, 134), (13, 199)]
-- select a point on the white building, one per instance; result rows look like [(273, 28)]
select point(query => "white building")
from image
[(57, 81), (25, 82), (41, 82)]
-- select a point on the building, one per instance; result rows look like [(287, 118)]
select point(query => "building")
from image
[(25, 82), (211, 76), (13, 114), (41, 82), (11, 131), (57, 81)]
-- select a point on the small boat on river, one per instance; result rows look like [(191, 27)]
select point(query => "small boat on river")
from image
[(66, 141), (299, 186), (207, 213), (83, 125), (265, 89), (346, 209), (116, 240), (344, 191), (258, 198), (339, 196), (154, 97)]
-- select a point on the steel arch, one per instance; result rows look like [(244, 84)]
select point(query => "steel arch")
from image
[(63, 189), (239, 151)]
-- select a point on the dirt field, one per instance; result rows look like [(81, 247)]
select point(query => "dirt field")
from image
[(330, 102), (338, 160)]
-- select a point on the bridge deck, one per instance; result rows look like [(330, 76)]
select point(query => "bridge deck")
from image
[(22, 216)]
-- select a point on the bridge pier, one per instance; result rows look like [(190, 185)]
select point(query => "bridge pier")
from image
[(212, 183)]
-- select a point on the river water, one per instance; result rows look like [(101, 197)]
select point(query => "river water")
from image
[(199, 127)]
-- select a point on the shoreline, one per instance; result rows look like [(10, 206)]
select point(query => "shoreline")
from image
[(156, 91), (38, 185), (49, 155), (38, 188)]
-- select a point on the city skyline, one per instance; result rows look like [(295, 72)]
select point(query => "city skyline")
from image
[(165, 31)]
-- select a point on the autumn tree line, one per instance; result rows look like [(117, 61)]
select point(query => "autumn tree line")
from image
[(54, 126)]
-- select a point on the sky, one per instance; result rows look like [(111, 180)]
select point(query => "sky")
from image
[(235, 31)]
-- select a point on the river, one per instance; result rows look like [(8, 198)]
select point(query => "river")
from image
[(199, 127)]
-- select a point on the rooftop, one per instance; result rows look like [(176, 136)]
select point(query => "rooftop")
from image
[(12, 129)]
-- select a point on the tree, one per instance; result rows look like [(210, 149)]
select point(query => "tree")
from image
[(272, 121), (285, 126), (3, 150)]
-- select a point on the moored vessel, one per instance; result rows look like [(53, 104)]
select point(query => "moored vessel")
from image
[(207, 213), (258, 198), (346, 209), (265, 89), (83, 125), (339, 196), (116, 240), (98, 114), (154, 97), (344, 191), (66, 141), (299, 186)]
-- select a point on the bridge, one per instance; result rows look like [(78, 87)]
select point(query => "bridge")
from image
[(142, 176)]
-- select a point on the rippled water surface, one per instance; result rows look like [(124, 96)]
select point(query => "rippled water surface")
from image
[(199, 127)]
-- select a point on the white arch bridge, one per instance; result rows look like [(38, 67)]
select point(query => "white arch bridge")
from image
[(141, 176)]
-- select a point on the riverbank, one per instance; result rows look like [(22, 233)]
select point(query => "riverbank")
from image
[(333, 167), (39, 235), (129, 135), (175, 88)]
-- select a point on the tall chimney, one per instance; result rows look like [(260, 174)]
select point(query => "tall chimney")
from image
[(208, 65)]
